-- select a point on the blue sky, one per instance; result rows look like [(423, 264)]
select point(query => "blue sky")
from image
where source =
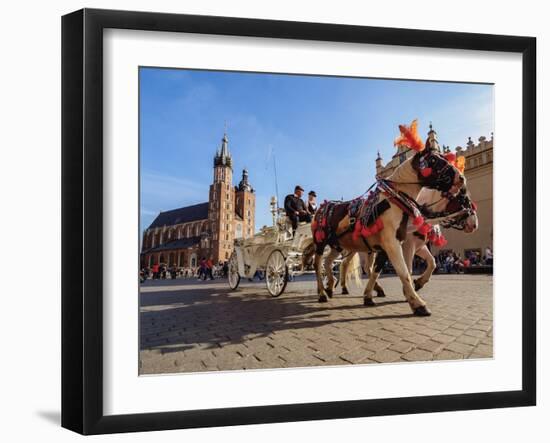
[(324, 131)]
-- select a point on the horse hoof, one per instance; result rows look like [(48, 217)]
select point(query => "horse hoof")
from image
[(329, 293), (345, 291), (369, 302), (380, 294), (422, 311), (323, 298), (417, 285)]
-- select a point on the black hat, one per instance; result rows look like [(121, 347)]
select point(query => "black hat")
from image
[(298, 188), (312, 193)]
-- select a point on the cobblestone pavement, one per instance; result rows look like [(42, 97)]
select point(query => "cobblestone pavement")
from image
[(189, 326)]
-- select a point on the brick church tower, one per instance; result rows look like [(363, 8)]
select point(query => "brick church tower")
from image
[(221, 207), (245, 206)]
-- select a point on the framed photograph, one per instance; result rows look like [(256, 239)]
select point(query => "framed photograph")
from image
[(269, 221)]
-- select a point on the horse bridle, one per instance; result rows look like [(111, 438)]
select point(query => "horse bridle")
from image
[(457, 220), (439, 178)]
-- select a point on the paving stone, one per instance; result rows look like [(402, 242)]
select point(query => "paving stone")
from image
[(356, 356), (431, 346), (417, 355), (377, 345), (386, 356), (448, 355), (460, 348), (469, 340), (475, 333), (401, 347), (443, 338)]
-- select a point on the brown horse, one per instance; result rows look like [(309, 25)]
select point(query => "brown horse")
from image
[(335, 225)]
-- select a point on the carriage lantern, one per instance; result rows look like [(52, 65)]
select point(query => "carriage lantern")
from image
[(273, 204)]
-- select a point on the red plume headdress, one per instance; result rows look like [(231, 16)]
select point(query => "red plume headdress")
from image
[(409, 137), (458, 162)]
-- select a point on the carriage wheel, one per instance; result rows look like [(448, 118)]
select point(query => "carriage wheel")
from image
[(233, 276), (276, 273), (355, 285)]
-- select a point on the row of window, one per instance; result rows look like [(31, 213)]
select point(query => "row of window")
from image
[(153, 239)]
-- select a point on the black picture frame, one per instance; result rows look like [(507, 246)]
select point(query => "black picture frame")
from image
[(82, 218)]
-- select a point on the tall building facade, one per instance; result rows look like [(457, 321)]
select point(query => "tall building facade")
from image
[(181, 237), (479, 176)]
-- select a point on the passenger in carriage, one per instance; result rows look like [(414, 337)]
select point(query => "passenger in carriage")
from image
[(296, 209), (311, 203)]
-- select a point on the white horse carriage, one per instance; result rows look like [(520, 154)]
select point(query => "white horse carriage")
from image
[(274, 250)]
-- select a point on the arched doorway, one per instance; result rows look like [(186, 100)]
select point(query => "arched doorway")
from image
[(193, 260), (162, 259), (181, 261)]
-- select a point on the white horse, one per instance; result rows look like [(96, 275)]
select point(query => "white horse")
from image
[(457, 212)]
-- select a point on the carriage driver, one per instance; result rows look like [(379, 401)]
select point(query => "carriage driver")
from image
[(295, 208)]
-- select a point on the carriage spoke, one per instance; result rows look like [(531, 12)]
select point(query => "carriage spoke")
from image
[(276, 273)]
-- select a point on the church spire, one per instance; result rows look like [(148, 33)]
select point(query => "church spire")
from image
[(244, 184), (223, 156)]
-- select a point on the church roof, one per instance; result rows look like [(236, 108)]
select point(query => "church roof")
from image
[(181, 215), (180, 243)]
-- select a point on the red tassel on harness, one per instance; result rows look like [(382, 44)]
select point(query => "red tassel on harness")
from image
[(426, 172), (323, 222), (424, 229), (365, 232), (418, 220), (319, 236), (379, 224), (357, 230)]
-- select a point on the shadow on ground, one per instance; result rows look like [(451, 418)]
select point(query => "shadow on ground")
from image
[(173, 321)]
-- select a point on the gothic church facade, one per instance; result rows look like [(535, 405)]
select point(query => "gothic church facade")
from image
[(181, 237)]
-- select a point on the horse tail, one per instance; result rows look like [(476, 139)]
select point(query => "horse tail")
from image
[(354, 269), (308, 253)]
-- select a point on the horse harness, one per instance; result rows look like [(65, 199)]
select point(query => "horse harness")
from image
[(364, 213)]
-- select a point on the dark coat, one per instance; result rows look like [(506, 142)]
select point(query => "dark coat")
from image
[(293, 204)]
